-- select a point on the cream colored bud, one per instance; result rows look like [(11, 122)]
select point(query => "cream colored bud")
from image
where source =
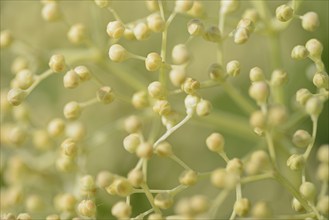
[(136, 177), (19, 63), (241, 35), (247, 24), (322, 172), (87, 208), (323, 153), (215, 142), (34, 203), (320, 80), (83, 72), (241, 207), (153, 62), (76, 130), (77, 33), (261, 210), (197, 10), (213, 34), (199, 204), (323, 205), (314, 47), (57, 63), (302, 96), (56, 127), (301, 138), (152, 5), (71, 79), (164, 149), (259, 162), (65, 164), (129, 33), (145, 150), (279, 78), (41, 140), (170, 120), (25, 79), (314, 106), (234, 166), (17, 135), (259, 92), (258, 120), (163, 200), (191, 102), (69, 147), (220, 178), (216, 72), (177, 76), (195, 27), (53, 217), (72, 110), (132, 124), (131, 143), (65, 202), (233, 68), (105, 95), (256, 74), (308, 190), (51, 11), (296, 205), (87, 185), (102, 3), (155, 22), (104, 179), (162, 107), (140, 100), (180, 54), (284, 13), (190, 86), (6, 38), (296, 162), (188, 178), (156, 90), (141, 31), (24, 216), (182, 6), (121, 210), (115, 29), (228, 6), (8, 216), (251, 14), (122, 187), (16, 96), (299, 52), (118, 53), (277, 115), (310, 21), (203, 108)]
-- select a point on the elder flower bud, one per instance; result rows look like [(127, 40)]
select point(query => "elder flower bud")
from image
[(104, 179), (284, 13), (177, 76), (163, 149), (163, 200), (132, 124), (105, 95), (6, 39), (188, 178), (155, 22), (141, 31), (228, 6), (295, 162), (182, 6), (71, 79), (83, 73), (323, 205), (56, 127), (256, 74), (16, 96), (118, 53), (308, 190), (121, 210), (301, 138), (72, 110), (323, 153), (314, 47), (310, 21), (140, 100), (57, 63), (136, 177), (102, 3), (314, 106), (50, 11), (145, 150), (302, 96), (25, 79), (242, 206), (203, 108), (215, 142), (233, 68), (195, 27), (259, 92), (115, 29), (212, 34), (153, 62), (279, 78), (241, 35), (180, 54), (77, 33), (321, 80), (162, 107), (87, 208), (299, 52), (131, 143), (216, 72), (156, 90)]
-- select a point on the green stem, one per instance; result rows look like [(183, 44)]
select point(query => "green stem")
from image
[(255, 178), (180, 162), (310, 146), (150, 198), (39, 79), (217, 203)]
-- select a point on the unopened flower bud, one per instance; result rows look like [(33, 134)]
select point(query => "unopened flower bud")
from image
[(145, 150), (104, 179), (216, 72), (299, 52), (241, 35), (118, 53), (155, 22), (212, 34), (16, 96), (323, 205), (69, 147), (284, 13), (188, 178), (301, 138), (233, 68), (323, 153), (87, 208), (308, 190), (296, 205), (314, 47), (177, 76), (302, 96), (215, 142), (164, 149), (182, 6), (131, 143), (57, 63), (141, 31), (234, 166), (197, 10), (72, 110), (56, 127), (241, 207), (314, 106), (203, 108), (296, 162), (121, 210), (259, 91), (190, 86), (310, 21), (115, 29), (77, 33), (163, 200), (322, 172), (136, 177), (71, 79), (25, 78), (228, 6), (51, 11), (320, 80), (279, 78), (105, 95), (153, 62), (256, 74), (140, 100), (195, 27), (102, 3), (261, 211), (180, 54), (83, 73), (133, 124), (6, 39), (162, 107)]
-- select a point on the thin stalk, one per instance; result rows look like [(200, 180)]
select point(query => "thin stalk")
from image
[(180, 162), (250, 179), (88, 103), (150, 198), (310, 146), (217, 203), (39, 79)]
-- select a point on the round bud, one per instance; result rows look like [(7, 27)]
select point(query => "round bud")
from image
[(247, 24), (190, 86), (233, 68), (153, 62), (102, 3), (6, 39), (77, 33), (156, 90), (191, 102), (197, 10), (122, 187), (284, 13), (76, 130), (182, 6), (141, 31), (121, 210), (41, 140), (199, 204), (256, 74), (17, 135), (155, 22), (65, 164), (87, 185), (104, 179), (72, 110), (162, 107), (203, 108), (69, 147), (177, 76), (277, 115), (296, 162), (320, 80), (241, 35), (215, 142), (234, 166), (261, 211), (105, 95), (65, 202), (296, 205), (57, 63), (323, 153), (136, 177), (323, 205), (152, 5), (278, 78), (140, 100), (310, 21), (129, 33), (259, 91), (218, 178), (228, 6), (251, 14), (195, 27), (131, 143), (83, 73), (87, 208), (51, 11), (163, 200), (16, 96), (258, 120), (180, 54), (164, 149), (71, 79), (314, 47), (115, 29), (145, 150), (322, 172), (24, 78), (241, 207), (188, 178), (132, 124), (24, 216), (302, 96), (258, 162), (34, 203), (19, 63), (299, 52), (216, 72), (301, 138), (56, 127), (212, 34), (314, 106), (308, 190), (118, 53)]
